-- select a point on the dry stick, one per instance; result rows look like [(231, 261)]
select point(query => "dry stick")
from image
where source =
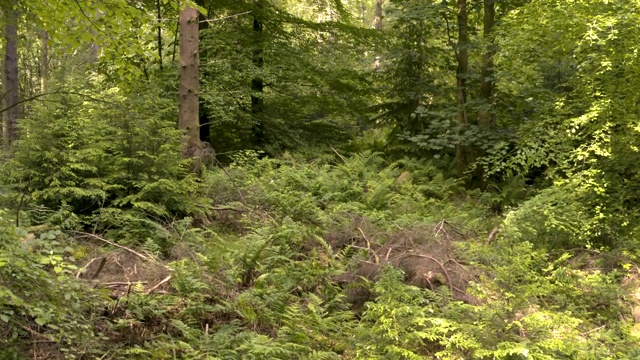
[(226, 209), (457, 263), (122, 283), (454, 229), (94, 236), (99, 269), (233, 182), (386, 258), (446, 274), (369, 246), (593, 330), (337, 153), (492, 235), (86, 266), (35, 333), (158, 284)]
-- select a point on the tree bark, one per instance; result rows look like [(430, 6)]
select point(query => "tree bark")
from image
[(44, 62), (378, 26), (257, 84), (189, 81), (461, 82), (10, 79), (378, 15), (159, 17), (486, 117)]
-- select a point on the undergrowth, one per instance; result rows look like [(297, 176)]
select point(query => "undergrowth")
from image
[(256, 266)]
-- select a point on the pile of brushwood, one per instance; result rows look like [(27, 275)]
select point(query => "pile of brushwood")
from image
[(291, 258)]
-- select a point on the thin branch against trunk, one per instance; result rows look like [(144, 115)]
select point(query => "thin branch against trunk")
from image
[(37, 96)]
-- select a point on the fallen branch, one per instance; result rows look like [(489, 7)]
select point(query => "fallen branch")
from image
[(233, 182), (46, 338), (124, 283), (492, 235), (84, 268), (444, 270), (158, 285), (593, 330), (97, 237), (369, 245), (226, 209), (99, 269), (337, 153)]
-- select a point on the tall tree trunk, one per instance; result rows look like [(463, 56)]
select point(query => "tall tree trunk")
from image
[(485, 116), (94, 47), (462, 152), (378, 26), (10, 80), (257, 85), (44, 62), (189, 81), (159, 17), (378, 15)]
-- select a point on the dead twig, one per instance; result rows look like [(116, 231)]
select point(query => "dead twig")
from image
[(233, 181), (337, 153), (84, 268), (99, 269), (47, 338), (124, 283), (226, 209), (492, 235), (369, 245), (97, 237), (593, 330), (444, 270), (158, 285), (440, 227)]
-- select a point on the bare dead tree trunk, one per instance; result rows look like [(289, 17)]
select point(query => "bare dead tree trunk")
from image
[(189, 81), (461, 92), (10, 80)]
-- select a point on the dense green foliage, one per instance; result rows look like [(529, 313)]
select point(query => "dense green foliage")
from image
[(331, 222)]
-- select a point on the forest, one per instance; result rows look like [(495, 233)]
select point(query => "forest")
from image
[(320, 179)]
